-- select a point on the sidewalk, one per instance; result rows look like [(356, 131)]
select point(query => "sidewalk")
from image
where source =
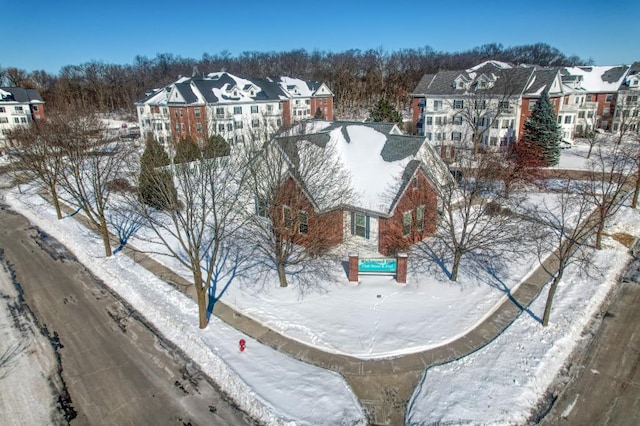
[(383, 386)]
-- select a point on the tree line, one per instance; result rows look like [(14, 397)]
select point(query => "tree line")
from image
[(358, 78)]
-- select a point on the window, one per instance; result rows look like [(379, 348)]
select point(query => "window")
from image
[(420, 218), (429, 121), (606, 112), (199, 127), (18, 109), (505, 124), (590, 114), (495, 124), (35, 108), (286, 217), (439, 121), (615, 127), (164, 111), (141, 110), (229, 127), (632, 100), (255, 123), (177, 127), (4, 120), (254, 109), (532, 105), (262, 207), (220, 127), (590, 98), (480, 104), (303, 217), (16, 120), (237, 110), (456, 136), (406, 223), (158, 126), (182, 127), (559, 119), (181, 112), (196, 111), (581, 114), (269, 108), (503, 105), (238, 124), (220, 112), (609, 98), (493, 141), (437, 105), (279, 122), (360, 225), (567, 119), (428, 136), (439, 136), (458, 104), (307, 101), (457, 120)]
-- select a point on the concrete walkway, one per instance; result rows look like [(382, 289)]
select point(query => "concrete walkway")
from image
[(383, 386)]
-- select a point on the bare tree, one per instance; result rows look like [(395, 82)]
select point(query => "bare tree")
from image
[(607, 185), (199, 227), (91, 165), (474, 218), (40, 155), (297, 186), (561, 227), (516, 164)]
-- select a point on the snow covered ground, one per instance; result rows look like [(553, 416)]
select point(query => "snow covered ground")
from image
[(375, 318), (501, 383), (270, 386)]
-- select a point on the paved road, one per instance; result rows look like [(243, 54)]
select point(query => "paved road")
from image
[(606, 389), (116, 370)]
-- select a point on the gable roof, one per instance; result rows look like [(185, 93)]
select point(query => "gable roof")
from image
[(377, 160), (506, 81), (598, 79), (542, 81), (20, 95), (223, 87)]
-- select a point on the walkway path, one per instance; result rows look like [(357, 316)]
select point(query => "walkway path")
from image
[(383, 386)]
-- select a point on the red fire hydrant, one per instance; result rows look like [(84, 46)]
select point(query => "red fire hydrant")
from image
[(242, 345)]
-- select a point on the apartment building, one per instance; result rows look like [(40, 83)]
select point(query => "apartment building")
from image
[(488, 104), (230, 106), (18, 107)]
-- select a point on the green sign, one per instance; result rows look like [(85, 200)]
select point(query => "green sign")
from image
[(377, 266)]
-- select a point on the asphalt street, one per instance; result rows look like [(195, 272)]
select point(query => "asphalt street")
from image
[(116, 369)]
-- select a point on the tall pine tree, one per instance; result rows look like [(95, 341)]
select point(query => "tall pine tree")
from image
[(383, 111), (155, 185), (542, 129)]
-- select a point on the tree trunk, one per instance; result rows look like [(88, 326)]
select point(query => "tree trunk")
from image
[(550, 295), (456, 263), (599, 234), (105, 237), (282, 275), (201, 295), (589, 153), (56, 202), (634, 201)]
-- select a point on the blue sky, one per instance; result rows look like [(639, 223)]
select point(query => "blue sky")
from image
[(47, 34)]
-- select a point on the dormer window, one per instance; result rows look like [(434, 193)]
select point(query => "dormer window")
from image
[(235, 93)]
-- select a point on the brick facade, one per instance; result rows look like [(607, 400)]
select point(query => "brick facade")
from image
[(392, 236)]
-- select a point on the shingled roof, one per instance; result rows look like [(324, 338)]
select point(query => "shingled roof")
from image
[(504, 81), (378, 159), (20, 95)]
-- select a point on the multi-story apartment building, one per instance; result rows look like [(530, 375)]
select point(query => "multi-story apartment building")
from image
[(626, 116), (232, 107), (489, 103), (18, 107)]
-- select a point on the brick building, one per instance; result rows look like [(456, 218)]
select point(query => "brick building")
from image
[(230, 106), (394, 176)]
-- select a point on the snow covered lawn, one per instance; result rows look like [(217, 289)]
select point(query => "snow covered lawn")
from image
[(503, 382)]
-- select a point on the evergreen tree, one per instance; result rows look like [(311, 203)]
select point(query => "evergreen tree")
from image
[(187, 150), (216, 147), (383, 111), (155, 185), (542, 129)]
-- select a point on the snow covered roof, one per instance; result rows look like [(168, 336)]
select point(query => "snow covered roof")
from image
[(380, 161), (20, 95), (223, 87), (598, 79)]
